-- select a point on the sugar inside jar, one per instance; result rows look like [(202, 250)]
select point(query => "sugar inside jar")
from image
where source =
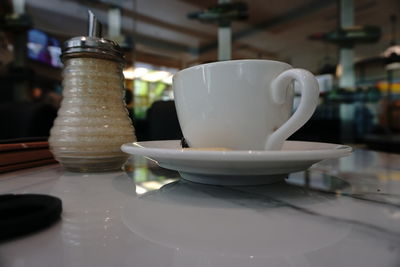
[(93, 121)]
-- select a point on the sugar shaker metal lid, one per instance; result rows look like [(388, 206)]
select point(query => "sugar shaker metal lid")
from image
[(92, 45)]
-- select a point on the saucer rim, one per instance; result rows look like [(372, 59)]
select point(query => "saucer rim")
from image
[(140, 148)]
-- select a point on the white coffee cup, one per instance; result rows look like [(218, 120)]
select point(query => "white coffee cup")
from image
[(242, 104)]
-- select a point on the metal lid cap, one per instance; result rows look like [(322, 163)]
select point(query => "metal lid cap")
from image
[(93, 44)]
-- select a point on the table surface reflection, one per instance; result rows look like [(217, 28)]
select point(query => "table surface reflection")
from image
[(343, 212)]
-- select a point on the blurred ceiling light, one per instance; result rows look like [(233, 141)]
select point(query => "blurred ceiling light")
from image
[(155, 76), (394, 49), (392, 57), (129, 73), (139, 72), (168, 80), (132, 73)]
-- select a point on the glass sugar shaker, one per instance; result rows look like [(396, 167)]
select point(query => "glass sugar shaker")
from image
[(93, 121)]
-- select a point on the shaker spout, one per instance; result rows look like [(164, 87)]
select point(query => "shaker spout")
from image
[(94, 26)]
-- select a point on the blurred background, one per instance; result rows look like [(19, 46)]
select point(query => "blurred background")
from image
[(352, 46)]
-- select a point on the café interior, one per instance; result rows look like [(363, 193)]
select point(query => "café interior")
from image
[(352, 47), (357, 68)]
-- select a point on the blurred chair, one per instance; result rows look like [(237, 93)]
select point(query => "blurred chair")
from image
[(162, 121), (22, 120), (324, 126), (15, 120)]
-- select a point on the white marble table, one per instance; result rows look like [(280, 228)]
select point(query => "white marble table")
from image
[(342, 212)]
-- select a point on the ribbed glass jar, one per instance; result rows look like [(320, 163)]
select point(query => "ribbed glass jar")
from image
[(92, 122)]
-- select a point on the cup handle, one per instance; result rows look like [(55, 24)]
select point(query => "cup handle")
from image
[(309, 99)]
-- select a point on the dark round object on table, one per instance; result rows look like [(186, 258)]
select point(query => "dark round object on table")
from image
[(26, 213)]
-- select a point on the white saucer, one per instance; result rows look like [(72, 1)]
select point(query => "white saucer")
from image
[(237, 167)]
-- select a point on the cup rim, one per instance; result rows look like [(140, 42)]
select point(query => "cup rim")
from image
[(234, 60)]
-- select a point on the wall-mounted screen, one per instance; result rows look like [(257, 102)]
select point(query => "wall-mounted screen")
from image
[(44, 48)]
